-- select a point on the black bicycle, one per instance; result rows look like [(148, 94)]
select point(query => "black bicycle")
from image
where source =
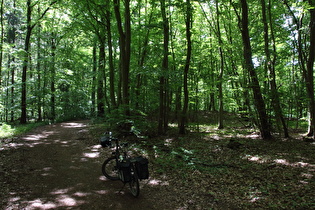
[(122, 167)]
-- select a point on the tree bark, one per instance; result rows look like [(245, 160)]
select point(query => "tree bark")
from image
[(101, 81), (110, 60), (270, 67), (94, 70), (258, 99), (183, 118), (29, 29), (125, 50), (310, 69), (52, 78), (220, 78), (162, 126), (1, 39)]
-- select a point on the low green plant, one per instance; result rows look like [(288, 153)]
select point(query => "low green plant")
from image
[(7, 130)]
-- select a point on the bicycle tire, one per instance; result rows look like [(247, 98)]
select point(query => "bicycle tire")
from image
[(109, 169), (134, 183)]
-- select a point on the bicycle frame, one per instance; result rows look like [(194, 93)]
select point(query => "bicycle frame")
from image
[(119, 157)]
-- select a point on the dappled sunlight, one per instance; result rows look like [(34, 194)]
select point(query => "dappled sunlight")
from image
[(91, 154), (102, 192), (39, 204), (155, 182), (168, 142), (73, 125), (255, 158), (254, 195), (279, 161)]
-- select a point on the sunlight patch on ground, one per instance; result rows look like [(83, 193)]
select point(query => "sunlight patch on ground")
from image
[(60, 191), (255, 158), (91, 154), (38, 204), (65, 200), (155, 182), (73, 125), (279, 161), (101, 192), (254, 195), (81, 194)]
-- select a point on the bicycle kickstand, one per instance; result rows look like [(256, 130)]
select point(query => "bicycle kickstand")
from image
[(122, 188)]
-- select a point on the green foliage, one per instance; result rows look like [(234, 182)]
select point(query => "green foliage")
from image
[(7, 130)]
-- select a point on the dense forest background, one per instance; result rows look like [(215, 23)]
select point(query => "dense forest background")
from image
[(166, 61)]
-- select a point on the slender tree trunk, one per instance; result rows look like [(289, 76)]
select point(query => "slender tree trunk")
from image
[(125, 49), (183, 118), (53, 78), (101, 86), (94, 70), (310, 69), (1, 39), (259, 101), (39, 93), (220, 78), (29, 29), (163, 91), (110, 60), (270, 67)]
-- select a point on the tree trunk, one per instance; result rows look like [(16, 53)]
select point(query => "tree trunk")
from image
[(101, 81), (110, 60), (183, 118), (1, 39), (310, 69), (29, 29), (162, 126), (258, 99), (39, 93), (125, 50), (270, 67), (220, 121), (52, 78), (94, 70)]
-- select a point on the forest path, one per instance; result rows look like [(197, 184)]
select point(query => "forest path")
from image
[(51, 168)]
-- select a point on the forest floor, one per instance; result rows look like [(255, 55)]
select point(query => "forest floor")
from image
[(58, 166)]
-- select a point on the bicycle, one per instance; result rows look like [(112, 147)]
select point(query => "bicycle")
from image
[(122, 167)]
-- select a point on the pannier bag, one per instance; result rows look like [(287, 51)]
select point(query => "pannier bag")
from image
[(105, 141), (124, 171), (142, 167)]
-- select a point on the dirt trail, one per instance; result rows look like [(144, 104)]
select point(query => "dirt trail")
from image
[(52, 168)]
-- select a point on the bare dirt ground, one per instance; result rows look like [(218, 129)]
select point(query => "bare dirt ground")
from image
[(54, 168)]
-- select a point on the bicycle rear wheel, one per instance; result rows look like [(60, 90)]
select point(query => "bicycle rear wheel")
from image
[(109, 169), (134, 183)]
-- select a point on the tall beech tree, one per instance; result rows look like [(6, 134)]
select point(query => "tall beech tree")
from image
[(309, 75), (1, 38), (188, 23), (254, 83), (163, 80), (270, 65), (124, 29), (30, 25)]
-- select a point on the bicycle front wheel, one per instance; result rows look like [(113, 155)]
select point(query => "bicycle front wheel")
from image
[(109, 168), (134, 184)]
